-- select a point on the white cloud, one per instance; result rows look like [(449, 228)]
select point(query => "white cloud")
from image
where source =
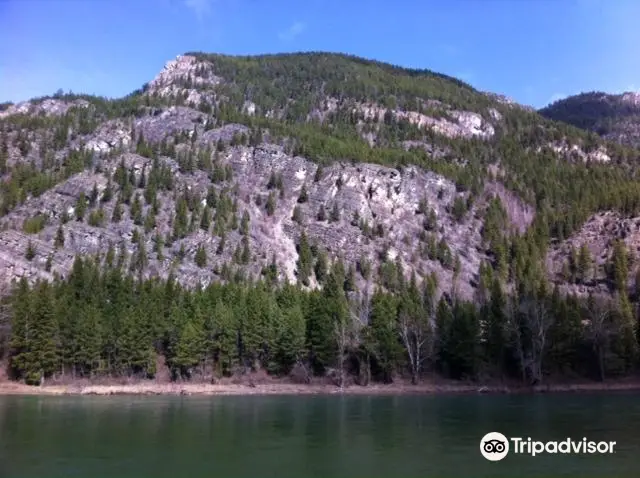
[(293, 31), (201, 8)]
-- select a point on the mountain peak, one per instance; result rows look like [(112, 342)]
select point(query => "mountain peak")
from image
[(631, 97)]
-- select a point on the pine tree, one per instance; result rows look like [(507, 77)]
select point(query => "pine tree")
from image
[(149, 221), (350, 279), (495, 328), (271, 204), (59, 239), (619, 267), (245, 256), (221, 244), (303, 196), (81, 206), (297, 215), (107, 194), (584, 263), (30, 253), (244, 224), (222, 328), (190, 349), (305, 260), (201, 257), (180, 222), (34, 350), (205, 220), (93, 197), (321, 267), (117, 212), (271, 184), (382, 322), (136, 210), (322, 214), (335, 213)]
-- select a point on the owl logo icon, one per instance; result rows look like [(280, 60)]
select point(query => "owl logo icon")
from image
[(494, 446)]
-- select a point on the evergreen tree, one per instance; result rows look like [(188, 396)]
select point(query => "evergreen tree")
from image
[(386, 346), (30, 253), (201, 257), (322, 214), (244, 224), (205, 220), (303, 196), (321, 266), (117, 212), (81, 206), (59, 239), (190, 348), (584, 263), (271, 204), (335, 213), (297, 215), (34, 351), (221, 244), (305, 260), (107, 194), (93, 197), (495, 327), (619, 267)]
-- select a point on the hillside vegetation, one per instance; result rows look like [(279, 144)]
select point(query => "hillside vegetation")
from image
[(615, 117), (311, 214)]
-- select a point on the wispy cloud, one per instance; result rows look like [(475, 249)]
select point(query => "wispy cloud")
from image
[(200, 8), (293, 31)]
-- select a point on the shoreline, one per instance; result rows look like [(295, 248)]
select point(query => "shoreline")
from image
[(201, 389)]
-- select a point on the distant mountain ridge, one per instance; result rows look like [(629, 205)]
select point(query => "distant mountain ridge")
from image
[(613, 116)]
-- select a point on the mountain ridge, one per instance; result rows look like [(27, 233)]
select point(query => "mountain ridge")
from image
[(612, 116), (345, 176)]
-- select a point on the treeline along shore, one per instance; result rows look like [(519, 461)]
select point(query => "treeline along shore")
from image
[(101, 325)]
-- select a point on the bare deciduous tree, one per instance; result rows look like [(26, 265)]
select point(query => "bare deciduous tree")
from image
[(537, 321), (600, 328), (359, 310), (5, 316), (415, 331)]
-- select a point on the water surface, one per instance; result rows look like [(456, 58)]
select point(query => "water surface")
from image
[(309, 436)]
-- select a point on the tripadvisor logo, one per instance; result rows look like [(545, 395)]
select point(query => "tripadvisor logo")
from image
[(495, 446)]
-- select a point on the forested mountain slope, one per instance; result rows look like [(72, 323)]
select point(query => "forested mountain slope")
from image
[(422, 226), (615, 117)]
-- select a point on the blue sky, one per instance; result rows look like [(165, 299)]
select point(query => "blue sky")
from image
[(531, 50)]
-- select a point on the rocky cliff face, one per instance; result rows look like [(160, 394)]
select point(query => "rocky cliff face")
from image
[(236, 199), (359, 213)]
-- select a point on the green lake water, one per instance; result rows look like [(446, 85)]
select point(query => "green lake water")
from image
[(310, 436)]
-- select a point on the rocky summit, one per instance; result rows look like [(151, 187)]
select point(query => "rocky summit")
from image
[(223, 168)]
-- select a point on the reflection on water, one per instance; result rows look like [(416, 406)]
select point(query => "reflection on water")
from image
[(308, 436)]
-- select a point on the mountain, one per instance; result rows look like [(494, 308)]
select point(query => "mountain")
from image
[(332, 172), (614, 117)]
